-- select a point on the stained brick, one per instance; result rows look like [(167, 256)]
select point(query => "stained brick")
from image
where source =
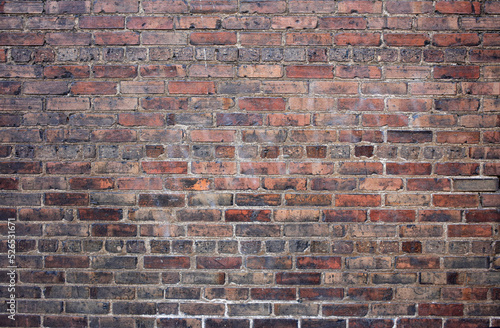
[(332, 162)]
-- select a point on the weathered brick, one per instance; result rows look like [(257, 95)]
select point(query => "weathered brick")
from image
[(166, 262), (350, 310), (244, 137), (161, 200)]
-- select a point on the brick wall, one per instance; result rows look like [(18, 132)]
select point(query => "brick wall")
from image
[(223, 163)]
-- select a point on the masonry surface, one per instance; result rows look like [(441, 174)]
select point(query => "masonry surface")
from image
[(251, 164)]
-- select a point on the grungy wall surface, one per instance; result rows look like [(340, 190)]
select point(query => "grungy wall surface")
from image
[(250, 164)]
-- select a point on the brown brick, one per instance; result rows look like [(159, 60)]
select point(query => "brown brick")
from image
[(467, 231)]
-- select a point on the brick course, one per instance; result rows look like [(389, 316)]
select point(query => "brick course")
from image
[(251, 163)]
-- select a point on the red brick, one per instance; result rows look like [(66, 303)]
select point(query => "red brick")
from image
[(198, 22), (346, 309), (351, 72), (21, 39), (370, 294), (150, 23), (357, 39), (481, 88), (359, 7), (289, 119), (93, 88), (380, 184), (9, 183), (360, 168), (482, 215), (70, 71), (264, 7), (236, 183), (406, 40), (419, 322), (165, 167), (212, 135), (258, 199), (114, 135), (462, 200), (101, 22), (68, 39), (308, 39), (10, 88), (91, 183), (186, 184), (457, 169), (458, 137), (112, 71), (210, 230), (417, 262), (116, 38), (318, 262), (316, 294), (211, 71), (467, 231), (437, 23), (409, 105), (427, 309), (337, 23), (409, 136), (298, 278), (161, 200), (410, 7), (455, 39), (490, 200), (246, 23), (392, 216), (262, 104), (458, 7), (66, 199), (163, 38), (293, 22), (409, 168), (214, 168), (248, 215), (172, 6), (363, 200), (218, 263), (392, 120), (456, 72), (308, 199), (100, 214), (390, 88), (311, 168), (166, 262), (65, 321), (309, 71), (213, 38), (284, 183), (221, 6), (260, 71), (191, 87), (272, 293), (260, 39), (68, 167), (457, 104), (67, 261), (124, 6), (334, 87), (46, 88), (429, 184), (491, 39), (466, 323)]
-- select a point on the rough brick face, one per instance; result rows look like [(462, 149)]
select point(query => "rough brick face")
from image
[(225, 163)]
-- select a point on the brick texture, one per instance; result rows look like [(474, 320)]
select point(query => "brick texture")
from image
[(224, 163)]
